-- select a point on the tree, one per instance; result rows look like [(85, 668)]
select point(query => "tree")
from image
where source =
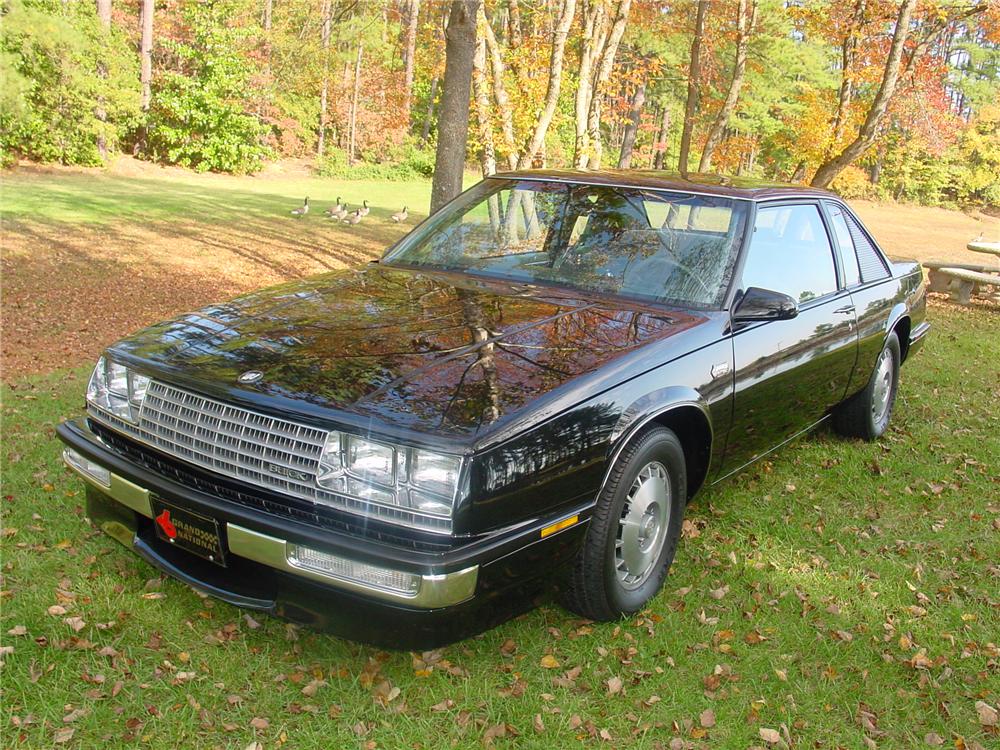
[(352, 126), (104, 19), (693, 87), (409, 52), (601, 36), (635, 115), (146, 51), (559, 35), (453, 122), (327, 15), (481, 95), (890, 78), (744, 30)]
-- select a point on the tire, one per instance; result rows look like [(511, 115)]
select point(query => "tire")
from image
[(641, 506), (866, 415)]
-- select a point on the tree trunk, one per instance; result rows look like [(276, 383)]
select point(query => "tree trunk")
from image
[(799, 175), (515, 23), (635, 116), (594, 36), (453, 123), (429, 118), (848, 50), (352, 137), (559, 35), (268, 7), (146, 51), (744, 29), (104, 17), (326, 12), (661, 139), (694, 84), (481, 94), (890, 78), (409, 54), (607, 63), (104, 14), (500, 95)]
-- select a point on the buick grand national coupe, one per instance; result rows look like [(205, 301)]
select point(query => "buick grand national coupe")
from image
[(527, 389)]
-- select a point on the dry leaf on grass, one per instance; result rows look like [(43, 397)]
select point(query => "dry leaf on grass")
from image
[(987, 714), (934, 739), (549, 662), (614, 685), (258, 722), (707, 718), (770, 736)]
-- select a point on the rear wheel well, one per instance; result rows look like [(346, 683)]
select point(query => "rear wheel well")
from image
[(691, 426), (902, 331)]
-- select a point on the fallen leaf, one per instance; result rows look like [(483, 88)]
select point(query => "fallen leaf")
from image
[(258, 722), (63, 735), (614, 685), (933, 738), (76, 623), (707, 718), (18, 630), (549, 662), (771, 736), (538, 724), (987, 714), (56, 610), (719, 592)]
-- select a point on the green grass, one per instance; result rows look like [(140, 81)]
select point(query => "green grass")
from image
[(847, 558), (94, 197)]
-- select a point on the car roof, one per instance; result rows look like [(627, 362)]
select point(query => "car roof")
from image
[(745, 188)]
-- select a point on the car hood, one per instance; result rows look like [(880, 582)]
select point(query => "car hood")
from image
[(439, 354)]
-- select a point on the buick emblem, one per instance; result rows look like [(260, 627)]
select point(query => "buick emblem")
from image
[(250, 376)]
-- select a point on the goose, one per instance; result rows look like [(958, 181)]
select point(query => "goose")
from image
[(364, 208), (335, 208), (400, 216), (301, 210), (354, 217), (338, 212)]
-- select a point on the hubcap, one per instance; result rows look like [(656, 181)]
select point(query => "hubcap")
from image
[(883, 386), (642, 529)]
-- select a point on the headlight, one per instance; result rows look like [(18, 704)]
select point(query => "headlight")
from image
[(116, 389), (394, 475)]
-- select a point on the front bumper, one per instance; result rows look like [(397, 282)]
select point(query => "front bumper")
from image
[(458, 591)]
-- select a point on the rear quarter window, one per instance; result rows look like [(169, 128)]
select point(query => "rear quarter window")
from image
[(870, 260)]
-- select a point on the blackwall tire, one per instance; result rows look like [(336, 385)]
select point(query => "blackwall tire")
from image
[(633, 534)]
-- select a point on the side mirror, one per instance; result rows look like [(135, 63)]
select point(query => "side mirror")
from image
[(763, 304)]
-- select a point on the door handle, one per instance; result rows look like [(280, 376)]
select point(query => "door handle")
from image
[(846, 310)]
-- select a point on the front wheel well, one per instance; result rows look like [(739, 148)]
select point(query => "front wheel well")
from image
[(691, 426)]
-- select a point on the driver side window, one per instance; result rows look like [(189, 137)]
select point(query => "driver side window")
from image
[(790, 253)]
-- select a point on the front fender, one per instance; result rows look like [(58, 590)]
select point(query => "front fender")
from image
[(652, 405)]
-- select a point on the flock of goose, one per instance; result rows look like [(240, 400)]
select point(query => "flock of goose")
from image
[(340, 213)]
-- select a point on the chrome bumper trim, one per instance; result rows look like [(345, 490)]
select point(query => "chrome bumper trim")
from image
[(125, 492), (435, 591)]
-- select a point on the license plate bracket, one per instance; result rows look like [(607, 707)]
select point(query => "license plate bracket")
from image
[(192, 532)]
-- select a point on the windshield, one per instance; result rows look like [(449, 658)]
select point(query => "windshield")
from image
[(646, 244)]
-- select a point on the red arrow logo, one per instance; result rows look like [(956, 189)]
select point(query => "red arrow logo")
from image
[(166, 524)]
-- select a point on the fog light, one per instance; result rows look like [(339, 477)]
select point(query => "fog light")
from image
[(351, 570), (85, 466)]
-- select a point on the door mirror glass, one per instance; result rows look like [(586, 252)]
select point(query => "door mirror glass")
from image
[(764, 304)]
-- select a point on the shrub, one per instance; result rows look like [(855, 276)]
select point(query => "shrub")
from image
[(404, 162), (199, 115), (852, 183)]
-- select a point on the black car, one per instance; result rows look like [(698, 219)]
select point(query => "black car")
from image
[(525, 390)]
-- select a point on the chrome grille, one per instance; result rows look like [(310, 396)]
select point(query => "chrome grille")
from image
[(260, 450)]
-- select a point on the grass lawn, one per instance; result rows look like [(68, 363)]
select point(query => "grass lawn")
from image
[(838, 595)]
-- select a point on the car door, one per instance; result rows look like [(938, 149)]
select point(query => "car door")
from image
[(789, 373)]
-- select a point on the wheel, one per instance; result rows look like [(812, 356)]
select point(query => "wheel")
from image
[(634, 530), (866, 414)]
